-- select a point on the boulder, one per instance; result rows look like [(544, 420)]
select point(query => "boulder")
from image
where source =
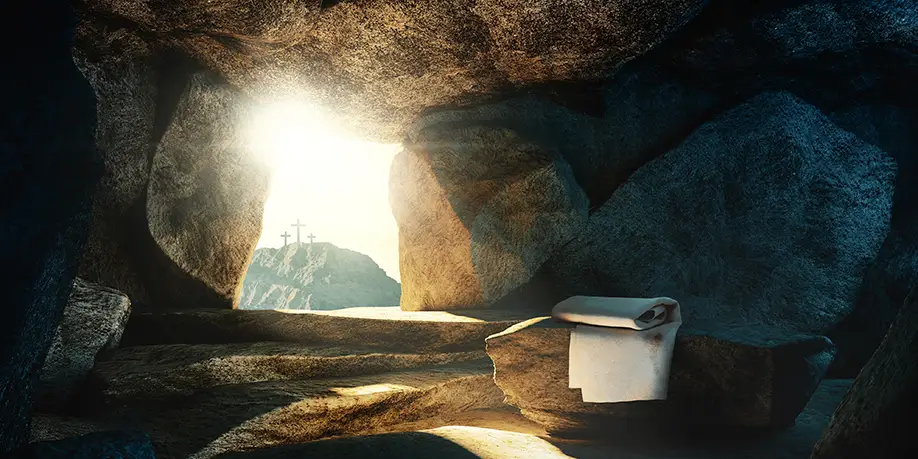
[(768, 214), (48, 170), (881, 401), (109, 444), (440, 52), (492, 202), (319, 276), (205, 200), (93, 322), (721, 376)]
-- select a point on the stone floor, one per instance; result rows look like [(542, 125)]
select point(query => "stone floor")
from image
[(458, 441), (364, 382)]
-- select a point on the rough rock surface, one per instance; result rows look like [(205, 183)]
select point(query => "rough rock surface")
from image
[(48, 171), (457, 441), (49, 427), (480, 208), (881, 400), (886, 285), (182, 369), (723, 376), (224, 418), (94, 319), (894, 272), (120, 67), (108, 445), (386, 328), (767, 215), (316, 277), (268, 378), (205, 199), (374, 65)]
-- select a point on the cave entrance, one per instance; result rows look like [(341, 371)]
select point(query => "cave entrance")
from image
[(329, 239)]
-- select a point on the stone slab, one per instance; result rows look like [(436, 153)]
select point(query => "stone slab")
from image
[(383, 328), (721, 376), (183, 369)]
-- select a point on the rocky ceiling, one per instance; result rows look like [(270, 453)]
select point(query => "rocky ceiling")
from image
[(374, 65)]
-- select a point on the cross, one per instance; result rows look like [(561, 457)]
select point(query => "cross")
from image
[(310, 237), (298, 226), (285, 236)]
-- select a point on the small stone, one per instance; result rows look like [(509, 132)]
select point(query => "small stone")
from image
[(93, 322)]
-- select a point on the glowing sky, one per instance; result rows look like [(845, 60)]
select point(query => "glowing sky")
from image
[(337, 187)]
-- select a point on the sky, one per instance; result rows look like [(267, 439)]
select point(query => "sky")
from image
[(337, 187)]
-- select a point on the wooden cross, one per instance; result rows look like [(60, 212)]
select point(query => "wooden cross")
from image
[(285, 236), (298, 226), (310, 237)]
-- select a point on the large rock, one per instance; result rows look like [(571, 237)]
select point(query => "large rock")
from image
[(315, 276), (435, 53), (480, 208), (767, 215), (723, 376), (48, 171), (93, 322), (881, 400), (205, 200), (109, 445)]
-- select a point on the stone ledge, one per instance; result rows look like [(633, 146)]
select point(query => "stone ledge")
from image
[(383, 328), (728, 376)]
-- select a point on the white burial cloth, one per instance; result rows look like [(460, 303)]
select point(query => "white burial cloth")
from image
[(621, 349)]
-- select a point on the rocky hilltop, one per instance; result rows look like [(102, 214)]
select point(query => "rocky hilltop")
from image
[(316, 276)]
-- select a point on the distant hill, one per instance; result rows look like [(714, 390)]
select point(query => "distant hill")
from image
[(319, 276)]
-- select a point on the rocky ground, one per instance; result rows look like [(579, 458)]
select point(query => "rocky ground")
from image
[(381, 382)]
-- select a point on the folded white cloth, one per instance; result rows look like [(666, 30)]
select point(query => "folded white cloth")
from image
[(621, 349)]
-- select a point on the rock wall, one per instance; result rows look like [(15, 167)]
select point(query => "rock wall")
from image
[(514, 139), (172, 225), (375, 65), (48, 170), (120, 66)]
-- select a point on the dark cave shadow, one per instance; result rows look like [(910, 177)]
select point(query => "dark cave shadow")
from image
[(407, 445), (199, 426)]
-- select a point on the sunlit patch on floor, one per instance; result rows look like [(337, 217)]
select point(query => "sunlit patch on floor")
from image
[(370, 389)]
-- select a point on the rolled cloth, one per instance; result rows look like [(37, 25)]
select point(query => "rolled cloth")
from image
[(621, 349)]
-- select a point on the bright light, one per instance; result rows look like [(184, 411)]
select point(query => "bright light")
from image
[(337, 186), (370, 389)]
